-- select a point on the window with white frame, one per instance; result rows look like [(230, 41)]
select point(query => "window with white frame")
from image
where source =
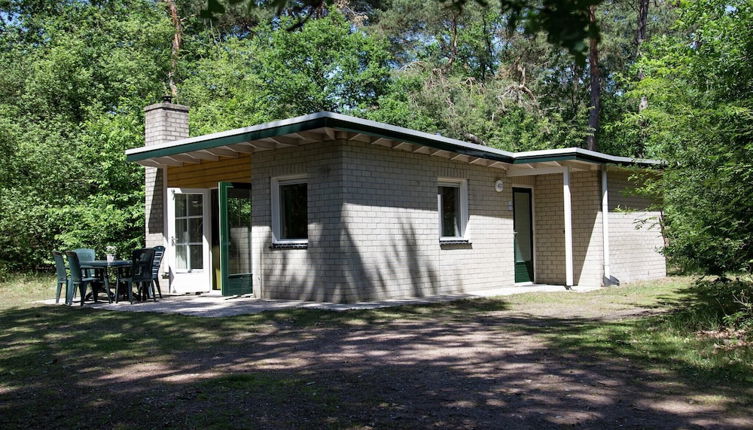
[(290, 209), (452, 207)]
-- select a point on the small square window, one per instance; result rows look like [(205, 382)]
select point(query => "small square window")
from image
[(294, 211), (452, 207), (450, 210), (290, 210)]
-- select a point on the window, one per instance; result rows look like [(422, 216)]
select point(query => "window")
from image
[(290, 210), (452, 202), (189, 232), (450, 210)]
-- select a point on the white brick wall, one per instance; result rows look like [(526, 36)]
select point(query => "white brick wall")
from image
[(585, 194), (373, 226), (633, 244), (588, 251), (314, 273), (392, 226), (550, 229)]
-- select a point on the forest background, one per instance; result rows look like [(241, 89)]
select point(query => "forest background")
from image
[(671, 80)]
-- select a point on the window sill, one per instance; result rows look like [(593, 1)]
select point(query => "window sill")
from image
[(289, 245), (454, 242)]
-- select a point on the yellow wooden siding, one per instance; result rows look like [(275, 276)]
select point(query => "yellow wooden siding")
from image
[(208, 173)]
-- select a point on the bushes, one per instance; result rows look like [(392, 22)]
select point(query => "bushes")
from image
[(719, 304), (700, 120), (75, 78)]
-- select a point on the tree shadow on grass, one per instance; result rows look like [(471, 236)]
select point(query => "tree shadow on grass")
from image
[(468, 364)]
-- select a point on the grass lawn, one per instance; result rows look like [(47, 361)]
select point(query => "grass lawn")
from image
[(623, 356)]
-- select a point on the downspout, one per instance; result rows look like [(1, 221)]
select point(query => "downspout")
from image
[(605, 224)]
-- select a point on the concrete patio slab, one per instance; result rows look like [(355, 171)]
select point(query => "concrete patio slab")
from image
[(214, 305)]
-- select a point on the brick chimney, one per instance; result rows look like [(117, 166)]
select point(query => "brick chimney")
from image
[(164, 122)]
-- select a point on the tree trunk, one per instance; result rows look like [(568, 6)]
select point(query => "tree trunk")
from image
[(575, 90), (640, 37), (594, 112), (175, 49), (453, 42), (640, 34)]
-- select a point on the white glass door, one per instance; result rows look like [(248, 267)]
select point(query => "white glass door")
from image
[(189, 227)]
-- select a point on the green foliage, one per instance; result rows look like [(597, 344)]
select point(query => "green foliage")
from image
[(699, 84), (565, 22), (498, 112), (326, 66), (717, 304), (469, 77), (76, 77), (77, 74)]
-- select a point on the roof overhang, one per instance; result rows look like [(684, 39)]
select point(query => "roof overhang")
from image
[(311, 128), (583, 155), (324, 126)]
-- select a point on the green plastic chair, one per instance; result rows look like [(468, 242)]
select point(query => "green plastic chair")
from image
[(86, 254), (62, 279), (159, 252), (142, 261), (78, 279)]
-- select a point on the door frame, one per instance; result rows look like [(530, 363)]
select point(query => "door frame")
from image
[(222, 188), (206, 236), (532, 214)]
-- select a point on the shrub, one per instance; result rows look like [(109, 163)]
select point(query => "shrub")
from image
[(716, 305)]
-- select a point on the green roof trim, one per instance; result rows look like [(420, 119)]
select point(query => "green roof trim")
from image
[(579, 154), (213, 142), (543, 158), (374, 129)]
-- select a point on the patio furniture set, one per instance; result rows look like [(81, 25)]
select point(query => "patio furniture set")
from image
[(85, 272)]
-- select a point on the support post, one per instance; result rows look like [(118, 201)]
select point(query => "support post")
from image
[(605, 223), (568, 227)]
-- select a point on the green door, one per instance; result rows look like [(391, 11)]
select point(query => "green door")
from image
[(523, 226), (235, 238)]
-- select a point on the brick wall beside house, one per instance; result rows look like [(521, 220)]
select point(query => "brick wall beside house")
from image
[(588, 251), (550, 229), (634, 234)]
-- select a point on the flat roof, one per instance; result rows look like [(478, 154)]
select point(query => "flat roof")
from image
[(352, 124), (581, 154)]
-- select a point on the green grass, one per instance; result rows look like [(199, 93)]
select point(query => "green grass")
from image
[(659, 343), (42, 346), (651, 294), (22, 289), (692, 335)]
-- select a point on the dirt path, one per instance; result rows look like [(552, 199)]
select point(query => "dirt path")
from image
[(490, 371), (423, 375)]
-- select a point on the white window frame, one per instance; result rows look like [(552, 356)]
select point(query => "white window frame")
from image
[(275, 200), (462, 186)]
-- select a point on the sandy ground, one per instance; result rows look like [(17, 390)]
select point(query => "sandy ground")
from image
[(214, 305), (494, 371)]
